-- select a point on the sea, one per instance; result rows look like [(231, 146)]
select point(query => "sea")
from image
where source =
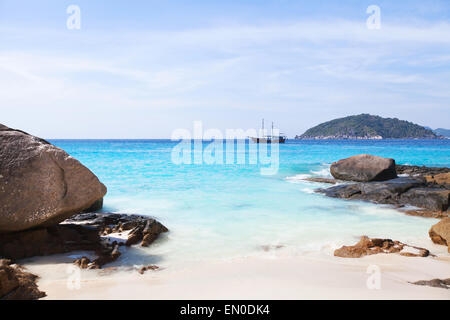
[(223, 211)]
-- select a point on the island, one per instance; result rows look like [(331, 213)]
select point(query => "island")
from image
[(366, 126), (442, 132)]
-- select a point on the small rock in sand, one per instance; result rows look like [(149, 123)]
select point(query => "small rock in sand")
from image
[(436, 283), (146, 268), (367, 246), (269, 247)]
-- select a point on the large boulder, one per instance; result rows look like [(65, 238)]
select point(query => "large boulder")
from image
[(440, 232), (364, 168), (40, 184)]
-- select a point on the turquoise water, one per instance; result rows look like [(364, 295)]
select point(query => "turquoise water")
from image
[(231, 210)]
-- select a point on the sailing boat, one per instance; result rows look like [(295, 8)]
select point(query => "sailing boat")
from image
[(269, 138)]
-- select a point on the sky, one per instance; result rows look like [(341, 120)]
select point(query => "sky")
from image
[(142, 69)]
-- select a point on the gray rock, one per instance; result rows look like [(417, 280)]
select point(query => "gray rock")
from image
[(420, 170), (83, 232), (430, 198), (436, 283), (400, 191), (342, 191), (321, 180), (388, 191), (143, 230), (380, 192), (40, 184), (364, 168)]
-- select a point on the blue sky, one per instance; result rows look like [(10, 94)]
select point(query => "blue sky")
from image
[(141, 69)]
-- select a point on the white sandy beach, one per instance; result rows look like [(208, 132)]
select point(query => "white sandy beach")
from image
[(269, 277)]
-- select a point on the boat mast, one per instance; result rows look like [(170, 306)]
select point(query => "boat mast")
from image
[(263, 128), (271, 132)]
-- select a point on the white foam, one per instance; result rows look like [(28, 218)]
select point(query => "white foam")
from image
[(298, 177), (325, 172), (119, 237), (308, 190)]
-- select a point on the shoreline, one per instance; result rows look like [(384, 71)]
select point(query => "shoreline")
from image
[(274, 274), (269, 277), (271, 250)]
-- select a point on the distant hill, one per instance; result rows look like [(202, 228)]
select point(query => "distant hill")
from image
[(442, 132), (366, 126)]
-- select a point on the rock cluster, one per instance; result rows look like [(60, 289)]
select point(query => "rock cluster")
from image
[(367, 246), (143, 230), (437, 176), (17, 284), (420, 170), (43, 192), (425, 188), (400, 191), (86, 232)]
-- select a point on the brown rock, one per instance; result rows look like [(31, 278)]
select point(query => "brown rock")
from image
[(367, 246), (148, 239), (364, 168), (427, 213), (440, 232), (40, 184), (441, 179), (82, 262), (16, 284), (135, 236), (145, 232), (106, 255), (146, 268), (350, 252), (321, 180)]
